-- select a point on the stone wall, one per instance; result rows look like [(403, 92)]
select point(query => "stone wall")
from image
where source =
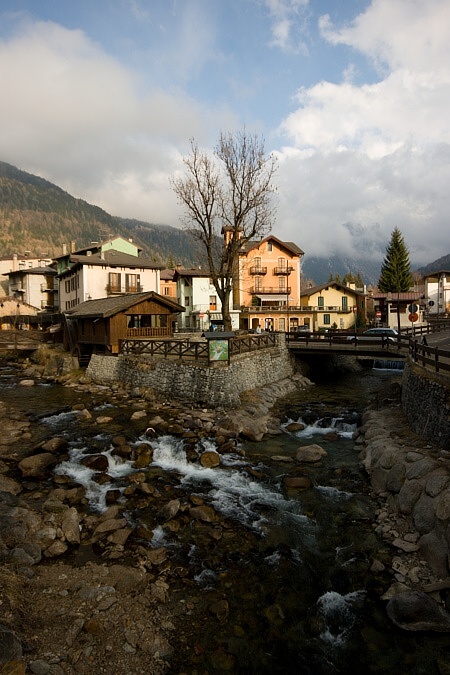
[(215, 386), (426, 404)]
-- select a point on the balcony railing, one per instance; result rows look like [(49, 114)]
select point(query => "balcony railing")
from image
[(258, 270), (303, 308), (270, 290), (284, 269), (116, 289)]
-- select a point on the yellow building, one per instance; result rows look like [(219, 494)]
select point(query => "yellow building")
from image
[(333, 306), (267, 286)]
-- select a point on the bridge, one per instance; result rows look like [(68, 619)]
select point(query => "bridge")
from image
[(429, 349), (21, 340)]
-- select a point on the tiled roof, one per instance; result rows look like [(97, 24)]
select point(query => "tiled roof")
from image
[(105, 307)]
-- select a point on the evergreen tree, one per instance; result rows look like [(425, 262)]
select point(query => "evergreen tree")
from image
[(396, 269)]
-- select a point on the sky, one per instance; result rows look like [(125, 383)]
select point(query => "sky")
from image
[(352, 97)]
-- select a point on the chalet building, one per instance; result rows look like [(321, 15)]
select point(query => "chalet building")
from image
[(114, 267), (437, 293), (332, 306), (99, 325), (267, 285)]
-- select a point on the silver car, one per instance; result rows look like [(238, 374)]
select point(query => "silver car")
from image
[(373, 333)]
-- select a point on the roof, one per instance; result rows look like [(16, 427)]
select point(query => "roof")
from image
[(249, 245), (167, 275), (317, 289), (106, 307), (110, 258), (405, 296), (191, 272), (33, 270), (436, 273)]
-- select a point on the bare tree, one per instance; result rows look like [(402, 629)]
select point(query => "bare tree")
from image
[(228, 201)]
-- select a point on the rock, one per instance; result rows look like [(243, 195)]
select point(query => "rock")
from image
[(138, 415), (294, 426), (168, 511), (96, 462), (9, 485), (416, 611), (203, 512), (210, 459), (298, 482), (36, 466), (10, 646), (70, 525), (310, 453), (27, 383), (55, 445)]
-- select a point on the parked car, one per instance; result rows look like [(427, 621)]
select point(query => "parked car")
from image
[(301, 330), (374, 333)]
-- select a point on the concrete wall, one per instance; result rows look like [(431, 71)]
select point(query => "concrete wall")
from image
[(215, 386), (426, 404)]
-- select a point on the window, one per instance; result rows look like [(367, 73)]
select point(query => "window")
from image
[(131, 283), (326, 319), (258, 283), (344, 302), (269, 246), (257, 264), (187, 302), (212, 302), (282, 284), (321, 301), (67, 286), (114, 282), (282, 265), (166, 290)]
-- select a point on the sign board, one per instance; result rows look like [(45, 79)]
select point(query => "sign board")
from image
[(413, 308), (218, 350), (378, 315), (413, 317)]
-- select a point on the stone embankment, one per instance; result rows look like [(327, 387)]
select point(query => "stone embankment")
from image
[(411, 480), (118, 607)]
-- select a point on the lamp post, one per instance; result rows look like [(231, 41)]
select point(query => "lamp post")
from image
[(288, 272)]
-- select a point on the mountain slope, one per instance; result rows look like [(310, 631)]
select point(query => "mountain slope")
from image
[(39, 216)]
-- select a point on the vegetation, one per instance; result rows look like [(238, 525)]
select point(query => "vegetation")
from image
[(396, 274), (229, 194), (40, 217)]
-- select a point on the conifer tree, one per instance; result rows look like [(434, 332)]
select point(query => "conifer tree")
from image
[(396, 274)]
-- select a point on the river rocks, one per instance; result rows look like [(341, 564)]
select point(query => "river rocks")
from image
[(415, 611), (297, 482), (210, 459), (310, 454), (37, 465), (413, 478)]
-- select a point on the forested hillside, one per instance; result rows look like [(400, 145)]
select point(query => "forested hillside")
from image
[(38, 216)]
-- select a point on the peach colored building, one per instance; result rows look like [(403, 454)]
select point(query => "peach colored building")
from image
[(267, 286)]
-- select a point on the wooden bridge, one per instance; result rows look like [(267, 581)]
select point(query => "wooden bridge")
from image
[(21, 340)]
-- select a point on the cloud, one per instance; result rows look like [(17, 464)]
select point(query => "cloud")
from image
[(367, 158), (287, 24), (77, 116)]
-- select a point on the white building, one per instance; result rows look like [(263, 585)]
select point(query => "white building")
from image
[(114, 267), (197, 294), (437, 292), (16, 262), (35, 286)]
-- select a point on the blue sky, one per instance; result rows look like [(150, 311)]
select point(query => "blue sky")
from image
[(352, 97)]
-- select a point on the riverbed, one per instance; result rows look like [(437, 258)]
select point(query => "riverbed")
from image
[(292, 568)]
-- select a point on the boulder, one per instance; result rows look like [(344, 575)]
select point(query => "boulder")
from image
[(416, 611), (310, 453), (37, 465), (210, 459)]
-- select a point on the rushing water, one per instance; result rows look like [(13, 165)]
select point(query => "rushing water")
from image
[(294, 566)]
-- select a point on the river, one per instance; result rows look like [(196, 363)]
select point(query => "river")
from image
[(293, 566)]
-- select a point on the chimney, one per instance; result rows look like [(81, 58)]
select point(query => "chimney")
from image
[(72, 247)]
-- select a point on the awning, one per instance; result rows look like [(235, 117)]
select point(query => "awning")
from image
[(274, 298)]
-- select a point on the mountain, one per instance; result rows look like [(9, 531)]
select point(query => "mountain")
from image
[(437, 266), (39, 216), (319, 269)]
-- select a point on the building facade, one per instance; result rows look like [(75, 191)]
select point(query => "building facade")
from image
[(114, 267)]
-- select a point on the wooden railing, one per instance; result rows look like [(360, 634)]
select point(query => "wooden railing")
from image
[(197, 350)]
